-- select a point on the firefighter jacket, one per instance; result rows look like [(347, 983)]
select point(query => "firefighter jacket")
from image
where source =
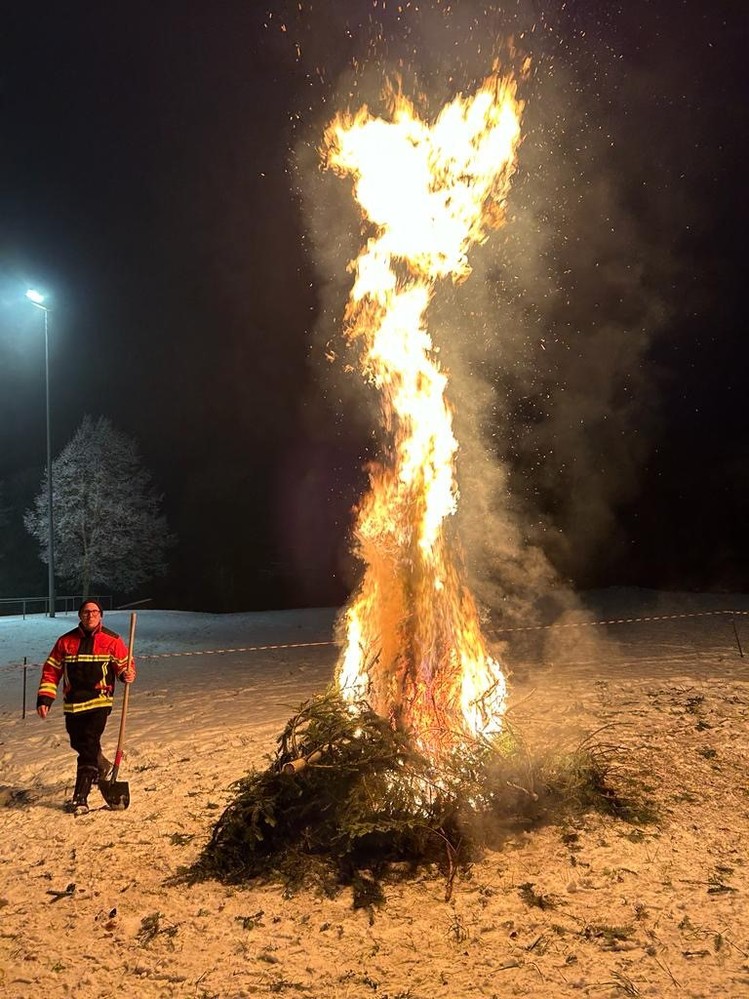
[(87, 663)]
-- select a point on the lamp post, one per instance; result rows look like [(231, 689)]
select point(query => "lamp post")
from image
[(37, 299)]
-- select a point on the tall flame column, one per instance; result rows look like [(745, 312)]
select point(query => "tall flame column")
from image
[(412, 646)]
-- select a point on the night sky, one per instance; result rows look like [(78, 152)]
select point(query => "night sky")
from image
[(159, 179)]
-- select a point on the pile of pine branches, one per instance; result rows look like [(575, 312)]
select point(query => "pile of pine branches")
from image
[(347, 799)]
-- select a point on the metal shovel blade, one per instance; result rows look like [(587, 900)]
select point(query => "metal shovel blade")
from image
[(116, 793)]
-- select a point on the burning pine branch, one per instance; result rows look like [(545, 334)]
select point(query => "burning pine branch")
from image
[(367, 803)]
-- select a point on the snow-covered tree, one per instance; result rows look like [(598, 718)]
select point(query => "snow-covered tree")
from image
[(109, 533)]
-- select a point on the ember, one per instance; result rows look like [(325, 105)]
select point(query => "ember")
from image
[(412, 643)]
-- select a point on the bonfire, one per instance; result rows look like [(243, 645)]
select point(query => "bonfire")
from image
[(406, 757)]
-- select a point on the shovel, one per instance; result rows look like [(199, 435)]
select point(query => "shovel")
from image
[(117, 792)]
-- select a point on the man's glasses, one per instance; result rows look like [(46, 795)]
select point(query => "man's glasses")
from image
[(90, 613)]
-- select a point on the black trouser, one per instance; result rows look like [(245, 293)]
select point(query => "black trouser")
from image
[(85, 729)]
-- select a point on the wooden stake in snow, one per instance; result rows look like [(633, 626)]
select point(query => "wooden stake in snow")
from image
[(738, 640)]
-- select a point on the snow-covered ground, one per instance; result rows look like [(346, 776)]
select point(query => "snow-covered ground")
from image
[(654, 911)]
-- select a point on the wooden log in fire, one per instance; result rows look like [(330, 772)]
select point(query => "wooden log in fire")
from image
[(294, 766)]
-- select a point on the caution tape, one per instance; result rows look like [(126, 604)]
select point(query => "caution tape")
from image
[(197, 652), (618, 620), (223, 652), (492, 631)]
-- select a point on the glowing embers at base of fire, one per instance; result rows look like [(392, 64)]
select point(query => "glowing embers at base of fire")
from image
[(413, 648)]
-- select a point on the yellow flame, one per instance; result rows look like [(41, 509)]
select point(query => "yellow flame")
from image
[(412, 642)]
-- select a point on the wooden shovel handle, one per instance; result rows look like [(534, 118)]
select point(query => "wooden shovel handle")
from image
[(125, 699)]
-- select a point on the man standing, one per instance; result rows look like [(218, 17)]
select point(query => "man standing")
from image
[(87, 659)]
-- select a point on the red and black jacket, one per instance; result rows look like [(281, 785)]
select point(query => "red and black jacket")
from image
[(87, 663)]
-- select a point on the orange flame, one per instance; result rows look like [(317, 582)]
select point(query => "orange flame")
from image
[(412, 646)]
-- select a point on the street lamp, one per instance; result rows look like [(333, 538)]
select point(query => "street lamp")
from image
[(37, 299)]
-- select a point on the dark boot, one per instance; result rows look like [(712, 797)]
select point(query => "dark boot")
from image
[(105, 769), (83, 781)]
